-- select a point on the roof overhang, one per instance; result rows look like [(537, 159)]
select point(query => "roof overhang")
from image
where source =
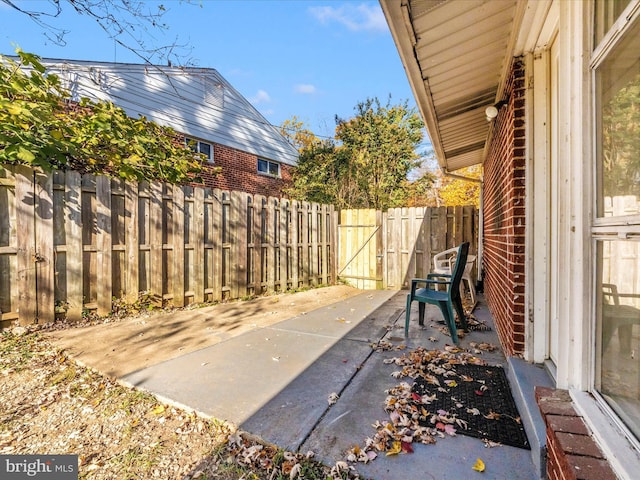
[(457, 55)]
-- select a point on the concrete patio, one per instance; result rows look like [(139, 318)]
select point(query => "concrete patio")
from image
[(273, 382)]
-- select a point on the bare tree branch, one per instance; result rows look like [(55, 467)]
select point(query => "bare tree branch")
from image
[(132, 24)]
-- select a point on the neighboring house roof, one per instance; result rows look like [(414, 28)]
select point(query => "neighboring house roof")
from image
[(457, 56), (197, 102)]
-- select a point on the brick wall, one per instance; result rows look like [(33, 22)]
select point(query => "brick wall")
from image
[(504, 217), (240, 172), (572, 453)]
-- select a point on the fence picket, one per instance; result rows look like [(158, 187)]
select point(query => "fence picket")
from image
[(155, 243), (198, 245), (256, 243), (8, 247), (44, 261), (268, 242), (216, 244), (295, 237), (282, 230), (73, 243), (103, 244), (177, 241), (25, 242), (132, 247)]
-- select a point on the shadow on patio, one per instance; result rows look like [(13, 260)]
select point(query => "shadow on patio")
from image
[(298, 417)]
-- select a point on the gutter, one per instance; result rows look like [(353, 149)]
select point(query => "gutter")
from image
[(461, 177)]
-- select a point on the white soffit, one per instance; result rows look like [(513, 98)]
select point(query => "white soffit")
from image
[(456, 54)]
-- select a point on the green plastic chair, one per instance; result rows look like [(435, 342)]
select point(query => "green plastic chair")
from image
[(447, 300)]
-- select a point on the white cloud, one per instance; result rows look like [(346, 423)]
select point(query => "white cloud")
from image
[(260, 97), (354, 17), (305, 88)]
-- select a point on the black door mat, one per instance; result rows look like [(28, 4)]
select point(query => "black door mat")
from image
[(474, 399)]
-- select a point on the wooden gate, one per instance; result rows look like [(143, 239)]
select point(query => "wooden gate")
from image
[(385, 250), (360, 248)]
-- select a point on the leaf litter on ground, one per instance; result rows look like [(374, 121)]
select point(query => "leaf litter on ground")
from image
[(51, 404), (411, 420)]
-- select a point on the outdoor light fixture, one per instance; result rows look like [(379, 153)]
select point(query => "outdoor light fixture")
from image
[(492, 110)]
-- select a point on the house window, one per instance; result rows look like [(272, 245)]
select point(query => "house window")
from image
[(616, 229), (268, 167), (197, 146)]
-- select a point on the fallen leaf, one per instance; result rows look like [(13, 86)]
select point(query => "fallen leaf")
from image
[(295, 471), (158, 409), (492, 416), (490, 444), (450, 430), (478, 466), (395, 449), (406, 447)]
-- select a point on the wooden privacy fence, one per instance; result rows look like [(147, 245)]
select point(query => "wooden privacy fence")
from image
[(386, 249), (71, 242)]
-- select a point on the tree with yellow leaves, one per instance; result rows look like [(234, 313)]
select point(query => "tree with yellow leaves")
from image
[(455, 192)]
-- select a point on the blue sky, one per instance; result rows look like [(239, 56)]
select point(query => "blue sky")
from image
[(306, 58)]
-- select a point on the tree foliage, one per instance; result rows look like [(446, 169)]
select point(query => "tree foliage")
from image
[(298, 135), (455, 192), (129, 23), (41, 127), (367, 164)]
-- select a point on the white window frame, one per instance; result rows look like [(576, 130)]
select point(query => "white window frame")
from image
[(196, 146), (620, 447), (269, 164)]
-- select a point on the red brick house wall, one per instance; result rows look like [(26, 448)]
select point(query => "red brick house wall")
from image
[(240, 173), (504, 217), (239, 170)]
